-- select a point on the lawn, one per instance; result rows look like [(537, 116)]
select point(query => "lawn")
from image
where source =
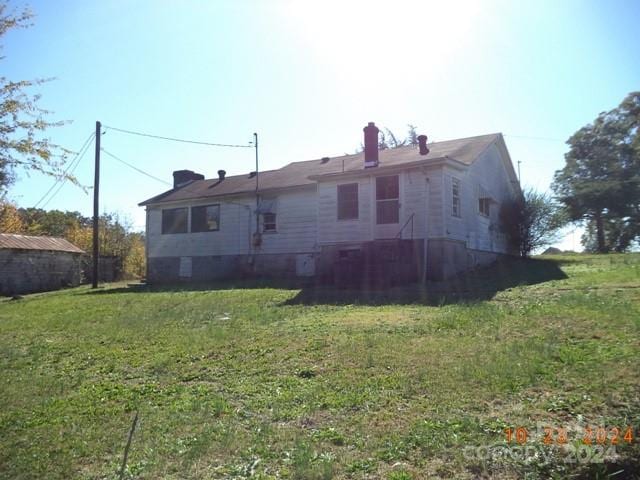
[(237, 381)]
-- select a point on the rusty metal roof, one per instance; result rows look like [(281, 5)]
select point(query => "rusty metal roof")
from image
[(28, 242), (464, 150)]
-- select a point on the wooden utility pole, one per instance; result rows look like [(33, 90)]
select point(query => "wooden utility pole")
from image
[(255, 142), (96, 207)]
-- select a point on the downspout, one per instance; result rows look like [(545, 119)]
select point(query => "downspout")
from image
[(426, 232), (146, 243)]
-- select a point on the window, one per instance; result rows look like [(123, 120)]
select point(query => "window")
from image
[(455, 197), (174, 220), (268, 222), (205, 218), (484, 206), (387, 200), (348, 201)]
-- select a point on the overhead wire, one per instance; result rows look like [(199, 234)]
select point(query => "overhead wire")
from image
[(67, 171), (73, 168), (546, 139), (134, 167), (174, 139)]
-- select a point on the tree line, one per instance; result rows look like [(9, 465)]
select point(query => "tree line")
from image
[(117, 238), (598, 187)]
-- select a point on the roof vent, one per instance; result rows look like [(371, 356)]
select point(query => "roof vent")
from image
[(221, 174), (324, 160), (252, 174), (422, 144)]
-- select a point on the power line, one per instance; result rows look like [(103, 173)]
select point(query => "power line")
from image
[(63, 176), (134, 167), (77, 162), (546, 139), (173, 139)]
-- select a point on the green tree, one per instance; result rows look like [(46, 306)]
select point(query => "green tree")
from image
[(600, 182), (22, 122), (532, 221), (620, 235), (412, 135)]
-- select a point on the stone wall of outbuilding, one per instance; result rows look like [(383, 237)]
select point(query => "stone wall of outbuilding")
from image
[(27, 271)]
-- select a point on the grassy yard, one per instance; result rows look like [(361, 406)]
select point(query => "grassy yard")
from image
[(269, 383)]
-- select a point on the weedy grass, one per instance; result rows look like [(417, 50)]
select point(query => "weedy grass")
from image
[(247, 380)]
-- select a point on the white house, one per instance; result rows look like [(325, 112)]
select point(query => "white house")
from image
[(403, 214)]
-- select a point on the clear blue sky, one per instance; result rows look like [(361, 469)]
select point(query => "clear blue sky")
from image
[(307, 76)]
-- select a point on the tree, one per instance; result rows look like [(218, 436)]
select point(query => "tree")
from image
[(10, 219), (600, 182), (117, 238), (620, 235), (387, 139), (22, 121), (393, 140), (531, 222), (412, 135)]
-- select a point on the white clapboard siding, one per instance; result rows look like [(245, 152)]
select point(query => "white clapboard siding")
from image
[(414, 202), (233, 237), (296, 214), (435, 226), (487, 174), (296, 224), (330, 229)]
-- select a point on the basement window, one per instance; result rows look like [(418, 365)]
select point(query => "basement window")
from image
[(484, 206), (455, 197), (348, 201), (174, 220), (205, 218), (269, 222), (387, 200)]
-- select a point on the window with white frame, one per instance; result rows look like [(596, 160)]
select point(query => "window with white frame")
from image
[(205, 218), (348, 201), (269, 222), (484, 206), (174, 220), (455, 197), (387, 199)]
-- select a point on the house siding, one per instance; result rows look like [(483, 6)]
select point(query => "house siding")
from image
[(333, 231), (229, 251), (310, 239), (475, 230)]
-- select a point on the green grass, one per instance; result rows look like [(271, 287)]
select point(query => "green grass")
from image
[(251, 381)]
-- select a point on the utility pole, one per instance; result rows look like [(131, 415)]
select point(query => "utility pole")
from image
[(519, 162), (255, 142), (96, 207)]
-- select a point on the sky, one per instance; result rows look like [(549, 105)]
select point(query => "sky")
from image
[(307, 76)]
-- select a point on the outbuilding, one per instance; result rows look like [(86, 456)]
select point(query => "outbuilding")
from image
[(36, 264)]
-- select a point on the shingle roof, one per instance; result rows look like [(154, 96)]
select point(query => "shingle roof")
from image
[(27, 242), (464, 150)]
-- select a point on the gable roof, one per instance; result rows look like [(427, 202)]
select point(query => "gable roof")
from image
[(28, 242), (463, 150)]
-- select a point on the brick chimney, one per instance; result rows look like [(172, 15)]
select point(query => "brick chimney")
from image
[(422, 144), (182, 177), (221, 174), (370, 145)]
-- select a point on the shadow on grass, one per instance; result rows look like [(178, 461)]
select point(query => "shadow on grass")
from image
[(470, 287), (232, 284), (473, 286)]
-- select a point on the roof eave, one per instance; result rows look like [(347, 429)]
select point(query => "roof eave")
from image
[(243, 193)]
